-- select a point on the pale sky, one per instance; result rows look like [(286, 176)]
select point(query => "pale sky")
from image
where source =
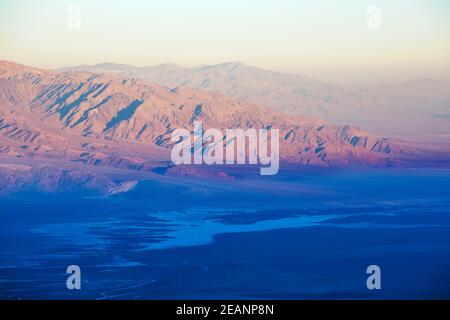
[(324, 39)]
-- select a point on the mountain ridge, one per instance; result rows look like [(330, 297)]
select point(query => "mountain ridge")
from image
[(108, 120), (405, 109), (76, 99)]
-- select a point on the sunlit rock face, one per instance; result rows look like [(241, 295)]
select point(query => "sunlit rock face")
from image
[(415, 109), (114, 121)]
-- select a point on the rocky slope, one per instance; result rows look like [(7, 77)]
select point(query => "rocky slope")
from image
[(415, 109), (120, 122)]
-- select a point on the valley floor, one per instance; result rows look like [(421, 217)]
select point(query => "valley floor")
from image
[(306, 234)]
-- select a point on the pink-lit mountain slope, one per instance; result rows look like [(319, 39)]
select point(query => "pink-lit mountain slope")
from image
[(109, 121), (416, 109)]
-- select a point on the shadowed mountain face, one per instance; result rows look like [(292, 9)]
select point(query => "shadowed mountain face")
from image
[(418, 109), (111, 121)]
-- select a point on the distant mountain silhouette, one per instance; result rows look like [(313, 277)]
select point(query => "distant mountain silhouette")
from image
[(404, 109)]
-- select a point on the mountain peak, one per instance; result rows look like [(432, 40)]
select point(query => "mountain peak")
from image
[(232, 65), (16, 67)]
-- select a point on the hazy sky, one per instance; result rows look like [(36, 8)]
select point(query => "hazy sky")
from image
[(325, 39)]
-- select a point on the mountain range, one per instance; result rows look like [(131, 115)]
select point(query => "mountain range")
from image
[(418, 109), (66, 128)]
